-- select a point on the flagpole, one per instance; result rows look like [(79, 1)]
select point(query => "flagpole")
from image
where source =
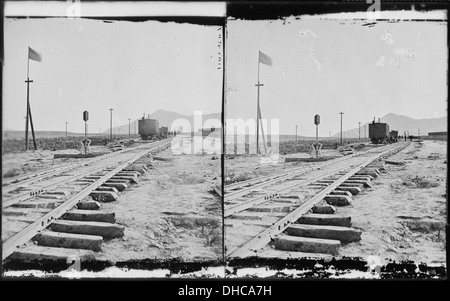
[(257, 111), (28, 100), (257, 114), (262, 131), (28, 64), (28, 81), (32, 128)]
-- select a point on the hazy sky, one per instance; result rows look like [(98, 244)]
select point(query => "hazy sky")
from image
[(326, 66), (132, 67)]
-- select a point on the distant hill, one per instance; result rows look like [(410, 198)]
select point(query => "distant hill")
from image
[(165, 118), (403, 123)]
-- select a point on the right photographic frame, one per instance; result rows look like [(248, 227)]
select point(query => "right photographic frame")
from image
[(335, 140)]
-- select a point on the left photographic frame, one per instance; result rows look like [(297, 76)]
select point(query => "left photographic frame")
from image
[(112, 139)]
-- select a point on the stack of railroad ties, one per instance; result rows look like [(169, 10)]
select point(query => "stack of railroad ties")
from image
[(71, 224)]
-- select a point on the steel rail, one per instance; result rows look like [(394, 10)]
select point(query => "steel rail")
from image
[(279, 176), (30, 231), (11, 184), (265, 198), (262, 239), (282, 176), (21, 197)]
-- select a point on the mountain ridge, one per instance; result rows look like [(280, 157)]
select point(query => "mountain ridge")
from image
[(402, 123)]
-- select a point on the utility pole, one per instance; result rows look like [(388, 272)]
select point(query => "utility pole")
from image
[(359, 131), (66, 129), (296, 132), (129, 127), (110, 125), (365, 132), (341, 125)]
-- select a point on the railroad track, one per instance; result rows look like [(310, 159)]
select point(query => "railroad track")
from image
[(238, 189), (292, 213), (67, 200), (16, 183)]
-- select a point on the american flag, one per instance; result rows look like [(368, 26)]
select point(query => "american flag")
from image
[(265, 59), (34, 55)]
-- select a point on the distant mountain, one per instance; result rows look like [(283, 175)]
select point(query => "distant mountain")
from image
[(403, 124), (165, 118)]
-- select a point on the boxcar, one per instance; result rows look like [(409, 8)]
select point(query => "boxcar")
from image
[(148, 128), (163, 131), (393, 136), (378, 132)]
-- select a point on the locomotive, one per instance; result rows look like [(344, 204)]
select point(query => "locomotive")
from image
[(379, 133), (149, 129)]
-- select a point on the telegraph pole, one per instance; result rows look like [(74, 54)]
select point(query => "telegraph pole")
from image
[(296, 132), (110, 125), (129, 127), (359, 131), (341, 125), (66, 129)]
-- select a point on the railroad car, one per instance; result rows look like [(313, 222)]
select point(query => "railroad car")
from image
[(163, 131), (393, 136), (148, 128), (379, 132)]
